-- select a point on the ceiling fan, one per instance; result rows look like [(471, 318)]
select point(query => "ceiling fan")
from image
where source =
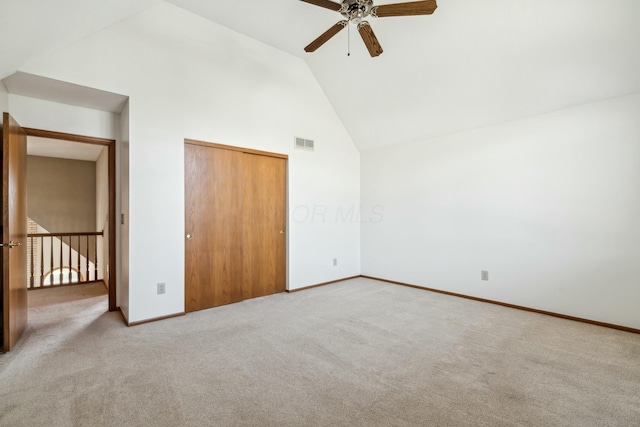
[(357, 10)]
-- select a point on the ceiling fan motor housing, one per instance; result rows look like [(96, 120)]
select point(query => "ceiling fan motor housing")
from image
[(356, 10)]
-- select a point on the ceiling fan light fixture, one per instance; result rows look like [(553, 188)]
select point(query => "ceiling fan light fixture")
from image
[(357, 17)]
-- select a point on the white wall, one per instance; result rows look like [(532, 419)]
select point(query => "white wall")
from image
[(550, 206), (47, 115), (190, 78), (4, 100)]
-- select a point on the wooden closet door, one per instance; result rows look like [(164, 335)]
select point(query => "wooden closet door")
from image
[(264, 218), (213, 224)]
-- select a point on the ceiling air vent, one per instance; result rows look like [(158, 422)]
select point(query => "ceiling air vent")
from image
[(304, 144)]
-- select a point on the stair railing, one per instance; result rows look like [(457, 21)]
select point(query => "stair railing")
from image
[(59, 259)]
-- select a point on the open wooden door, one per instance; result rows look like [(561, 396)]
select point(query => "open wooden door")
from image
[(14, 232)]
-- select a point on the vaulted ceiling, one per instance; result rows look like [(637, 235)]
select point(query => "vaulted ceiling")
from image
[(471, 64)]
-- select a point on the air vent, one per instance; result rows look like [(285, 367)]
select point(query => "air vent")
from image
[(304, 144)]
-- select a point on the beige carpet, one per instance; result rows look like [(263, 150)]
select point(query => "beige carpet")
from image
[(356, 353)]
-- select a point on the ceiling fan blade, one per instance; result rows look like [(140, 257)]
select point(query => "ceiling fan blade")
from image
[(369, 38), (328, 4), (405, 9), (326, 36)]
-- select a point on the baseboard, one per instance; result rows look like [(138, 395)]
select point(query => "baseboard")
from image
[(155, 319), (321, 284), (518, 307), (124, 316)]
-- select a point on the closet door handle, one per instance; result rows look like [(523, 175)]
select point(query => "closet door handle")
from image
[(189, 236), (281, 231)]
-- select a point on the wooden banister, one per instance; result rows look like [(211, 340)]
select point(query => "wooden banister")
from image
[(91, 233)]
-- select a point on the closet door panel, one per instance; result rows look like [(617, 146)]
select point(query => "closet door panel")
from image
[(264, 219), (213, 227)]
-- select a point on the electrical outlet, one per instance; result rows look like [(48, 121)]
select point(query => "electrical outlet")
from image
[(161, 288), (335, 262), (484, 275)]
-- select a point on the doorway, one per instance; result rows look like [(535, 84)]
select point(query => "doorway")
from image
[(110, 234)]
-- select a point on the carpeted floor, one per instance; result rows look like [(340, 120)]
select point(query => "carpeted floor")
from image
[(356, 353)]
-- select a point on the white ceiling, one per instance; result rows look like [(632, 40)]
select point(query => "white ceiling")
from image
[(471, 64), (32, 28), (45, 147)]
